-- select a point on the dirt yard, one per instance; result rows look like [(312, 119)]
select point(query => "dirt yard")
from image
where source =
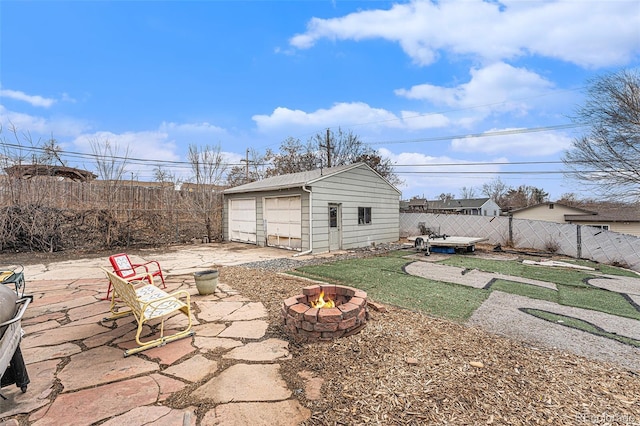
[(407, 368)]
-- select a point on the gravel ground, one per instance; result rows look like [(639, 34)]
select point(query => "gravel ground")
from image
[(502, 313)]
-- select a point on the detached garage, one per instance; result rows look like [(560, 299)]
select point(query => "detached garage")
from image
[(321, 210)]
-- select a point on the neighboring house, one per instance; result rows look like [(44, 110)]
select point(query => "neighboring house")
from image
[(469, 206), (549, 212), (622, 219), (321, 210)]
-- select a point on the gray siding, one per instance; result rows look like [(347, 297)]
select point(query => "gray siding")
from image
[(356, 187), (359, 187)]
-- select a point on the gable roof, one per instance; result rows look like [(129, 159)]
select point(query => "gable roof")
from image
[(604, 213), (465, 203), (577, 209), (629, 213), (298, 180)]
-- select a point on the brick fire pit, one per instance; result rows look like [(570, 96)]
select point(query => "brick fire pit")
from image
[(306, 323)]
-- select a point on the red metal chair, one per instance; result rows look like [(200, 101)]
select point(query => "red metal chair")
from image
[(126, 270)]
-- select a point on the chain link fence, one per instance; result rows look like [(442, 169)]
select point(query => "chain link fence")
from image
[(585, 242)]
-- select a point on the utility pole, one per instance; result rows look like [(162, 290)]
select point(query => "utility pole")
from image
[(246, 172), (328, 147)]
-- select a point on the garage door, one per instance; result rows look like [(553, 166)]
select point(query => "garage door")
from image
[(242, 220), (283, 220)]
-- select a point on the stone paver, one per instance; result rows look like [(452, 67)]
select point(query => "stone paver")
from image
[(153, 416), (167, 385), (170, 353), (42, 376), (94, 404), (111, 335), (250, 311), (38, 308), (106, 365), (61, 335), (209, 330), (283, 413), (245, 382), (216, 343), (194, 369), (215, 311), (51, 352), (267, 350), (102, 309), (45, 325), (246, 330)]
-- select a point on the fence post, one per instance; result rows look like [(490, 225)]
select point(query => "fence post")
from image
[(510, 242), (579, 241)]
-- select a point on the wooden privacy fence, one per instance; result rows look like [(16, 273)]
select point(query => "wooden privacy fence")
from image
[(578, 241), (102, 214)]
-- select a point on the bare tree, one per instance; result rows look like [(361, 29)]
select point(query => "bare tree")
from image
[(208, 167), (345, 147), (607, 159), (569, 199), (496, 190), (523, 196), (328, 150), (294, 157), (110, 161), (252, 171), (446, 197), (467, 192)]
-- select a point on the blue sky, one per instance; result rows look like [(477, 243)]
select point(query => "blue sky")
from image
[(447, 90)]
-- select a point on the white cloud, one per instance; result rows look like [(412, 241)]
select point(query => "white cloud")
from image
[(38, 125), (167, 144), (34, 100), (516, 144), (152, 145), (416, 121), (430, 175), (573, 31), (203, 127), (346, 115), (496, 88)]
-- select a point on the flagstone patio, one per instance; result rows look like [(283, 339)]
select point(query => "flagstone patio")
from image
[(79, 375)]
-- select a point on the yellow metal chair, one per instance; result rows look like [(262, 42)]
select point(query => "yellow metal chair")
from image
[(147, 302)]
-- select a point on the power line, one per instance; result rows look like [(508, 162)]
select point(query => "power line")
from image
[(482, 135)]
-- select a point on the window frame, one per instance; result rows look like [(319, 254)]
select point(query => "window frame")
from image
[(364, 216)]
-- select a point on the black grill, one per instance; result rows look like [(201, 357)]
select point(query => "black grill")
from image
[(12, 367)]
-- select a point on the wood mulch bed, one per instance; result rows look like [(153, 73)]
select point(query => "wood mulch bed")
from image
[(405, 367)]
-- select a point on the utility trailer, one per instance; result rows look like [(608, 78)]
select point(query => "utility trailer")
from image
[(450, 244)]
